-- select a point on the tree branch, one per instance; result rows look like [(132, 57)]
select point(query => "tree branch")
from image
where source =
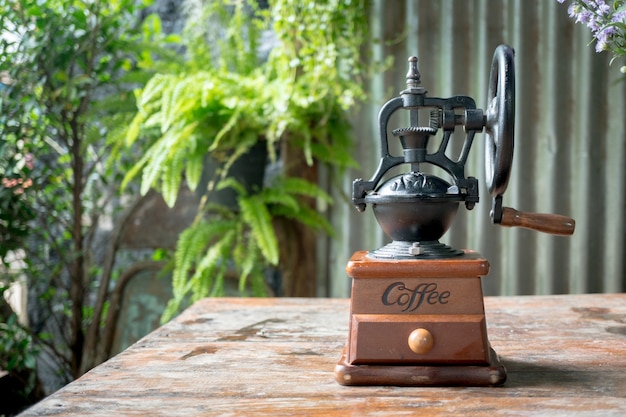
[(92, 339), (115, 305)]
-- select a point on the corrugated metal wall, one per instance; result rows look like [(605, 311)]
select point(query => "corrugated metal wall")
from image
[(570, 149)]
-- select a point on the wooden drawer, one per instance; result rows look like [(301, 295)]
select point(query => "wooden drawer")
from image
[(384, 339)]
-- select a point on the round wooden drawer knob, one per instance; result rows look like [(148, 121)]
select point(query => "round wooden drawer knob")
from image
[(421, 341)]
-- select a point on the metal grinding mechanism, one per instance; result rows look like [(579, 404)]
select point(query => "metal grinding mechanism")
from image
[(417, 315)]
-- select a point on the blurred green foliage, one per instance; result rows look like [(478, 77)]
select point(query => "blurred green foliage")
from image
[(68, 69), (227, 96)]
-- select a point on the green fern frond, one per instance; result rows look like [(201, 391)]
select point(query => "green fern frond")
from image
[(166, 102), (256, 215), (132, 133), (278, 195), (211, 268), (218, 285), (170, 183), (305, 215), (183, 135), (137, 168), (337, 156), (193, 170), (175, 164), (167, 151), (196, 253), (216, 255), (300, 186), (172, 307), (152, 92), (155, 157), (220, 213), (230, 182), (192, 245), (247, 260), (257, 283), (171, 102), (245, 141), (152, 121), (226, 129), (187, 104)]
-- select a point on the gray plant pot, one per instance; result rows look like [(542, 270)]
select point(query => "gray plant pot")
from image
[(249, 170)]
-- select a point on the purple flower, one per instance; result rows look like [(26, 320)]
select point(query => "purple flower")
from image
[(603, 9), (606, 20), (619, 17)]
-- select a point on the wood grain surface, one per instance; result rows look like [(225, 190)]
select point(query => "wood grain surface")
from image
[(565, 356)]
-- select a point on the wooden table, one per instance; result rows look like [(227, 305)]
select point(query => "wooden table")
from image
[(565, 356)]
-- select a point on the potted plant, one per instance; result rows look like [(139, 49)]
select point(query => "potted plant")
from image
[(227, 97)]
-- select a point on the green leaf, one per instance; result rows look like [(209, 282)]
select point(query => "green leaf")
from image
[(30, 362), (172, 307), (247, 260), (227, 128), (193, 171), (170, 182), (279, 196), (152, 92), (300, 186), (257, 216), (133, 129)]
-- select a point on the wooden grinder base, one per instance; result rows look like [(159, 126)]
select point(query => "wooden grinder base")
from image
[(418, 323)]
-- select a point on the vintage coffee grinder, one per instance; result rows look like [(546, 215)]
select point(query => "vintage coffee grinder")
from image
[(417, 315)]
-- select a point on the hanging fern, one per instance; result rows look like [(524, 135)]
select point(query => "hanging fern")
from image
[(222, 100), (222, 240)]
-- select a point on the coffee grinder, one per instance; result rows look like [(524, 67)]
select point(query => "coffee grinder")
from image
[(417, 316)]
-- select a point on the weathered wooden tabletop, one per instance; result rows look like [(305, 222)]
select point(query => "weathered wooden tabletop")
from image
[(565, 356)]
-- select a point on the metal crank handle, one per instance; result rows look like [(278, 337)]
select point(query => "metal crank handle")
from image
[(555, 224)]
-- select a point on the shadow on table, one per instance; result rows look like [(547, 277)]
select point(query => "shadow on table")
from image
[(533, 374)]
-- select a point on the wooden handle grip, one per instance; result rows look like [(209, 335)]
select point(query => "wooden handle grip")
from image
[(548, 223)]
